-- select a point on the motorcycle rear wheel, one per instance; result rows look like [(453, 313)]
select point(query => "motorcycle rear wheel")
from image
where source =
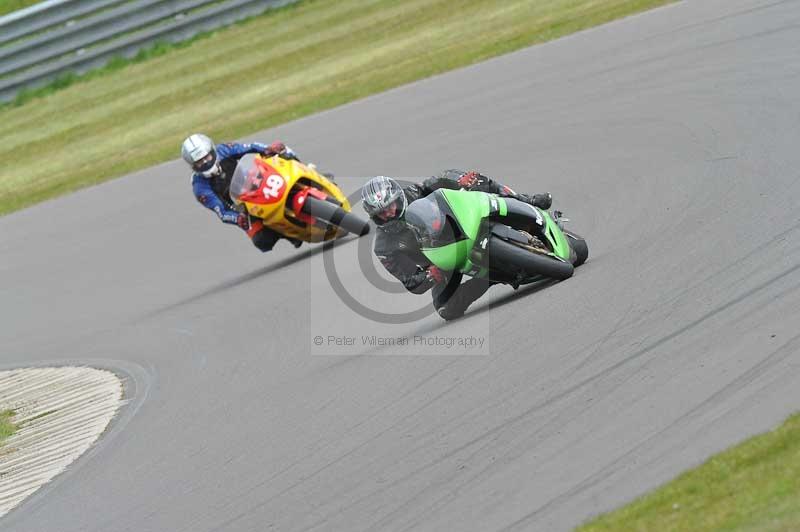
[(510, 257)]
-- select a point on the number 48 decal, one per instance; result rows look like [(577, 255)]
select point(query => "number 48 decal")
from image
[(273, 187)]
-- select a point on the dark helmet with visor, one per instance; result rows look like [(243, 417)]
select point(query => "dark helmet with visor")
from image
[(384, 200)]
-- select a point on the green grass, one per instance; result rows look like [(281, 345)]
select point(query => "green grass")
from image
[(7, 6), (754, 486), (117, 63), (7, 428), (298, 60)]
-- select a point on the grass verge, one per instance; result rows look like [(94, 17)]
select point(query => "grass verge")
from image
[(7, 427), (754, 486), (7, 6), (297, 60)]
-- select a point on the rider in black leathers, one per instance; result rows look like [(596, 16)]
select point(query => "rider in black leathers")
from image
[(397, 248)]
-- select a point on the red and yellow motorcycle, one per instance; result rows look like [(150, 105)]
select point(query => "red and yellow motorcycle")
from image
[(293, 199)]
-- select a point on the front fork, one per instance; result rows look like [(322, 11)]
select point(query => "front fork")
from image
[(558, 218)]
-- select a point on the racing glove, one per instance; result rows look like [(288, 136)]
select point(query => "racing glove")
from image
[(468, 180), (281, 149), (435, 274), (276, 147)]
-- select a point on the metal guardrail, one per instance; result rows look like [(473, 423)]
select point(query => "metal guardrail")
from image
[(40, 16), (108, 29)]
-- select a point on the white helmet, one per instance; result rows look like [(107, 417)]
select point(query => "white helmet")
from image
[(200, 153)]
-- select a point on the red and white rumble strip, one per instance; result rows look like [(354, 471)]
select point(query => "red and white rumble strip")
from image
[(61, 412)]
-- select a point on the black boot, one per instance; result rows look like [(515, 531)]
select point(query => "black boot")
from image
[(454, 306), (543, 201)]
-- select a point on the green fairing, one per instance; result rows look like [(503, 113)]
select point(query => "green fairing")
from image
[(469, 209), (557, 239), (450, 257)]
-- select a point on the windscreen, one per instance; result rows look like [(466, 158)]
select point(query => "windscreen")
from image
[(246, 178), (427, 221)]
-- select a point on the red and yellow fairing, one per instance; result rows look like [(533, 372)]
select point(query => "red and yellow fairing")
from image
[(276, 188)]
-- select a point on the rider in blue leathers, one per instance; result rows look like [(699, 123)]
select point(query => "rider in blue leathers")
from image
[(213, 168)]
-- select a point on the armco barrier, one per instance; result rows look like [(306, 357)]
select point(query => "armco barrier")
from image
[(78, 35)]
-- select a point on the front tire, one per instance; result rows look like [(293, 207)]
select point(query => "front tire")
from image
[(579, 246), (529, 264)]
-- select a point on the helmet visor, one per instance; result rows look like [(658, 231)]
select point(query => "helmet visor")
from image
[(389, 213), (392, 211), (206, 163)]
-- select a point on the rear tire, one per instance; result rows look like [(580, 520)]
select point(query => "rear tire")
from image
[(329, 212), (530, 264)]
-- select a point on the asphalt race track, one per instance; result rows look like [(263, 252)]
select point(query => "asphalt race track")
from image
[(671, 141)]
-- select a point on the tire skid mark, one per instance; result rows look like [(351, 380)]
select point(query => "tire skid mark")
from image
[(733, 266), (644, 393), (626, 379), (597, 346), (272, 478), (450, 455), (788, 348), (623, 327), (696, 25), (352, 451), (771, 384), (411, 452), (693, 51), (578, 386)]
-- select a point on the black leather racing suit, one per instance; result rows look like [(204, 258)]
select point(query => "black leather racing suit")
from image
[(398, 250)]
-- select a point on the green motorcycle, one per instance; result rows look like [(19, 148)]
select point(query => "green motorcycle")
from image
[(496, 238)]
